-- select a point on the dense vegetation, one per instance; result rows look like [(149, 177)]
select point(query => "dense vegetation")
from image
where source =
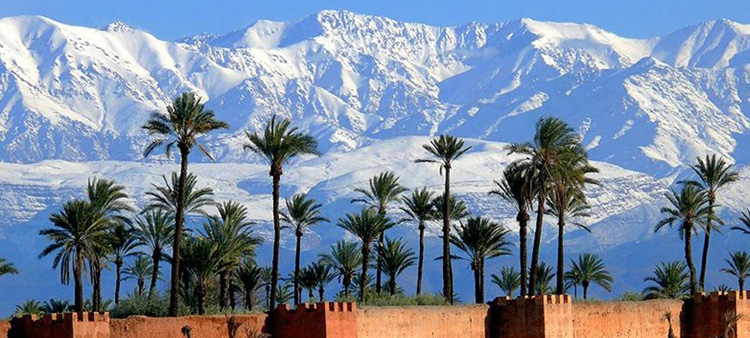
[(213, 267)]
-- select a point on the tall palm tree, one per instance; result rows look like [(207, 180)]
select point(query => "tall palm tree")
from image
[(165, 197), (480, 239), (714, 173), (109, 201), (344, 259), (590, 269), (122, 244), (445, 150), (555, 147), (509, 280), (184, 123), (154, 232), (278, 144), (671, 281), (231, 231), (7, 268), (565, 201), (689, 208), (545, 275), (141, 270), (396, 257), (739, 267), (382, 190), (516, 188), (78, 235), (203, 259), (367, 226), (302, 213), (418, 207), (250, 275)]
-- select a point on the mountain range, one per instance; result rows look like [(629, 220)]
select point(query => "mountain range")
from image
[(372, 90)]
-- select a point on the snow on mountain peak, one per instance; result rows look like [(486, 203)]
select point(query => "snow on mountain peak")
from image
[(118, 26)]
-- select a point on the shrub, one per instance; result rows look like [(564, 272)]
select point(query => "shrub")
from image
[(385, 299)]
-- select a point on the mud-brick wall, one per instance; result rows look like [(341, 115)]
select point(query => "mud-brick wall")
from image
[(422, 322), (625, 319), (4, 328), (200, 326)]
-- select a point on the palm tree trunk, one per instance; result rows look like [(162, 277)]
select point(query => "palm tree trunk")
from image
[(248, 299), (585, 289), (96, 286), (141, 285), (201, 291), (447, 269), (420, 264), (222, 289), (541, 197), (392, 286), (321, 293), (297, 294), (178, 226), (379, 266), (276, 174), (560, 287), (742, 285), (689, 259), (78, 283), (346, 284), (363, 277), (706, 241), (523, 220), (156, 257), (118, 278), (230, 293)]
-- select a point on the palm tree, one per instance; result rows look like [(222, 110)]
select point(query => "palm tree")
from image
[(589, 269), (457, 209), (302, 213), (122, 243), (278, 144), (141, 270), (714, 173), (509, 280), (671, 281), (79, 234), (445, 150), (367, 226), (31, 307), (154, 232), (231, 231), (745, 220), (565, 201), (203, 259), (324, 274), (545, 275), (186, 121), (418, 207), (7, 268), (250, 275), (517, 189), (109, 201), (284, 293), (739, 266), (165, 197), (56, 306), (344, 259), (690, 209), (382, 190), (556, 146), (480, 239), (308, 281), (396, 257)]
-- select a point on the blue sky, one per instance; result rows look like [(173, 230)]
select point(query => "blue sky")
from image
[(174, 19)]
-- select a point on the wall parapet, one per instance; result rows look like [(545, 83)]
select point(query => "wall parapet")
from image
[(61, 325)]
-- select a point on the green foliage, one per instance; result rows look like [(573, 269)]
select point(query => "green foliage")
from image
[(384, 299), (509, 280), (7, 268), (630, 296), (142, 305), (671, 279), (30, 306)]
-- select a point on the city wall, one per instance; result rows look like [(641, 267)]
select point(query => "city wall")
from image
[(703, 316)]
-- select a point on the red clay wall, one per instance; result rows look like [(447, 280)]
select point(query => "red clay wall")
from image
[(4, 328), (321, 320), (625, 319), (201, 326), (422, 322), (549, 316), (68, 325)]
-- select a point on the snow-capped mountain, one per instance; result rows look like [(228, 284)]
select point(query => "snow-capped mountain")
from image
[(372, 90)]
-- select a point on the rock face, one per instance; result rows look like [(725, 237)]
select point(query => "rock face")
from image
[(372, 90)]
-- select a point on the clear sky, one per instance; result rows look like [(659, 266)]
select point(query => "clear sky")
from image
[(174, 19)]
